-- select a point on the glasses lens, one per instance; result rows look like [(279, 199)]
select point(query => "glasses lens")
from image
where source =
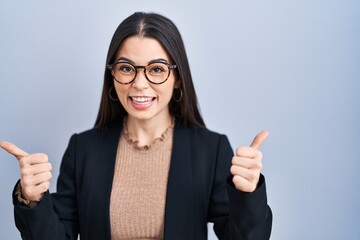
[(157, 72), (123, 72)]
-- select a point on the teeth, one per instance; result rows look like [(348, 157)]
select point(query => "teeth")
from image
[(141, 100)]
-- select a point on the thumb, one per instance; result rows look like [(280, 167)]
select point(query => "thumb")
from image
[(13, 149), (259, 139)]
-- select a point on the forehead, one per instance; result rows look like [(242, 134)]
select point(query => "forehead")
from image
[(141, 50)]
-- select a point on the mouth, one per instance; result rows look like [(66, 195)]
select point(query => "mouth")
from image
[(142, 100)]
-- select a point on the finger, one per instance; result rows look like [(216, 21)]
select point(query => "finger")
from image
[(245, 162), (249, 174), (259, 139), (243, 184), (13, 149), (35, 158), (34, 193), (30, 181), (36, 169), (248, 152), (42, 187)]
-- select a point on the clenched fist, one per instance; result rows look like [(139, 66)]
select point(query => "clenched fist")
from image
[(35, 171), (246, 164)]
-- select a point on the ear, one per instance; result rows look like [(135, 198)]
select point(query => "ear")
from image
[(177, 84)]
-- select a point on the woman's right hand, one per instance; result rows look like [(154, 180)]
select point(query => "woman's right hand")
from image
[(35, 170)]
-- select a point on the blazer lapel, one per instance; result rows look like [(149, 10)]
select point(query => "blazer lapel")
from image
[(101, 183), (179, 199)]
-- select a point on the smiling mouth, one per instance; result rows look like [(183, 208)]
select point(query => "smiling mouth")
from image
[(142, 100)]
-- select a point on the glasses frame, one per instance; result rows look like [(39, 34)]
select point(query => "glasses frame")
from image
[(170, 67)]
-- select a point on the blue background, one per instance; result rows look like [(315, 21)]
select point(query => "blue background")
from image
[(292, 67)]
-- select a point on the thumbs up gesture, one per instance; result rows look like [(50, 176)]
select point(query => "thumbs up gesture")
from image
[(35, 171), (246, 164)]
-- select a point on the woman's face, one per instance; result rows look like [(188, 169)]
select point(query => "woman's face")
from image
[(141, 99)]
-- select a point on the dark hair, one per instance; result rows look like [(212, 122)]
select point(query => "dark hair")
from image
[(164, 30)]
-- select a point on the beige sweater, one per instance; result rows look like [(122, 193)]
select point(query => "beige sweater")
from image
[(137, 203)]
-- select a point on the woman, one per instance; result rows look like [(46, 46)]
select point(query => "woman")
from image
[(149, 169)]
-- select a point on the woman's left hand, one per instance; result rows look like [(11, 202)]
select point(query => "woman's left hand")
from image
[(246, 164)]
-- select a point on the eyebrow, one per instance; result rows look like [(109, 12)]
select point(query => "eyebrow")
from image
[(152, 61), (158, 60)]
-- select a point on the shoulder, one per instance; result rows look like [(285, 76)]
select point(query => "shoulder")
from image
[(95, 136), (197, 131), (201, 135), (89, 134), (208, 149)]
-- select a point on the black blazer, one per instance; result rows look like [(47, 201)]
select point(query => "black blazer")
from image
[(197, 193)]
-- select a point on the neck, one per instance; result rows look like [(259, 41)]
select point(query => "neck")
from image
[(145, 131)]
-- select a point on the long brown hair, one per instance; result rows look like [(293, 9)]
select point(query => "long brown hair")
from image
[(164, 30)]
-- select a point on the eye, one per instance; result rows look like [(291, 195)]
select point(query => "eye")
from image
[(157, 69), (125, 68)]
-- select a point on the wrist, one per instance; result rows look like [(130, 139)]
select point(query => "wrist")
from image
[(20, 197)]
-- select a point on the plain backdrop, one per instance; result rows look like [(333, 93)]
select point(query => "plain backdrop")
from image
[(292, 67)]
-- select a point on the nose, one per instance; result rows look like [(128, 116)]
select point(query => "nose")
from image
[(140, 81)]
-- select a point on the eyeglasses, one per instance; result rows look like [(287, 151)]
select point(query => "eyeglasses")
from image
[(125, 72)]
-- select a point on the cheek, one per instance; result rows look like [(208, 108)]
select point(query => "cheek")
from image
[(167, 92), (121, 92), (121, 89)]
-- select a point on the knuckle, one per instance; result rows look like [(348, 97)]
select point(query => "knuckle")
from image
[(22, 162), (253, 176), (236, 160), (25, 182), (32, 195), (256, 179), (236, 179), (232, 169), (26, 191), (245, 188), (45, 186), (257, 165), (239, 150), (44, 157), (24, 171), (250, 188), (9, 146), (233, 160)]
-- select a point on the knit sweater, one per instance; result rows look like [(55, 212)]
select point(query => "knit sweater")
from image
[(137, 204)]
